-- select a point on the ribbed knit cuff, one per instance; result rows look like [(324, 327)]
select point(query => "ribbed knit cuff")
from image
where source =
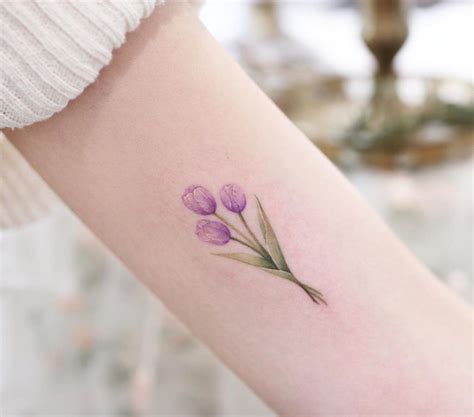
[(50, 50)]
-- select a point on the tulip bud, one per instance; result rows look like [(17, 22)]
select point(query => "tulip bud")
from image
[(212, 232), (233, 198), (199, 200)]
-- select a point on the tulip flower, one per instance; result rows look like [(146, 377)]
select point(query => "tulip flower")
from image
[(213, 232), (233, 198), (267, 254), (199, 200)]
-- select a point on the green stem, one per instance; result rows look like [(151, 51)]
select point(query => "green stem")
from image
[(313, 290), (260, 246), (246, 244), (227, 223), (312, 293), (246, 241)]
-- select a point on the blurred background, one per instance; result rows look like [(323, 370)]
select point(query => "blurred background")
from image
[(383, 87)]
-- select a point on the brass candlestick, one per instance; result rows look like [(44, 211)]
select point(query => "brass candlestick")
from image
[(384, 30)]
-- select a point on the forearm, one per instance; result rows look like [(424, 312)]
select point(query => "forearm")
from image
[(174, 110)]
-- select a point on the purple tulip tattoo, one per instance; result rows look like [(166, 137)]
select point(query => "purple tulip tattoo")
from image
[(212, 232), (233, 198), (268, 254), (199, 200)]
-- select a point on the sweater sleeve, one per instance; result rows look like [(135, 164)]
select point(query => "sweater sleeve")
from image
[(51, 50)]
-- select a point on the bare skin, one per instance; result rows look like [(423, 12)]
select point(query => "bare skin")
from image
[(172, 110)]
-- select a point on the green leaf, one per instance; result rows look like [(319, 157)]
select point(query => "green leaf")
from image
[(271, 239), (247, 259)]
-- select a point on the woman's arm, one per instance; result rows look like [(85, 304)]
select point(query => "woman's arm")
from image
[(174, 110)]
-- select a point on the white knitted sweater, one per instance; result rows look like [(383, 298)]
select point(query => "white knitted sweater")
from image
[(50, 50)]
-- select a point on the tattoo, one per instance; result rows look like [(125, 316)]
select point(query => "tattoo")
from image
[(267, 254)]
